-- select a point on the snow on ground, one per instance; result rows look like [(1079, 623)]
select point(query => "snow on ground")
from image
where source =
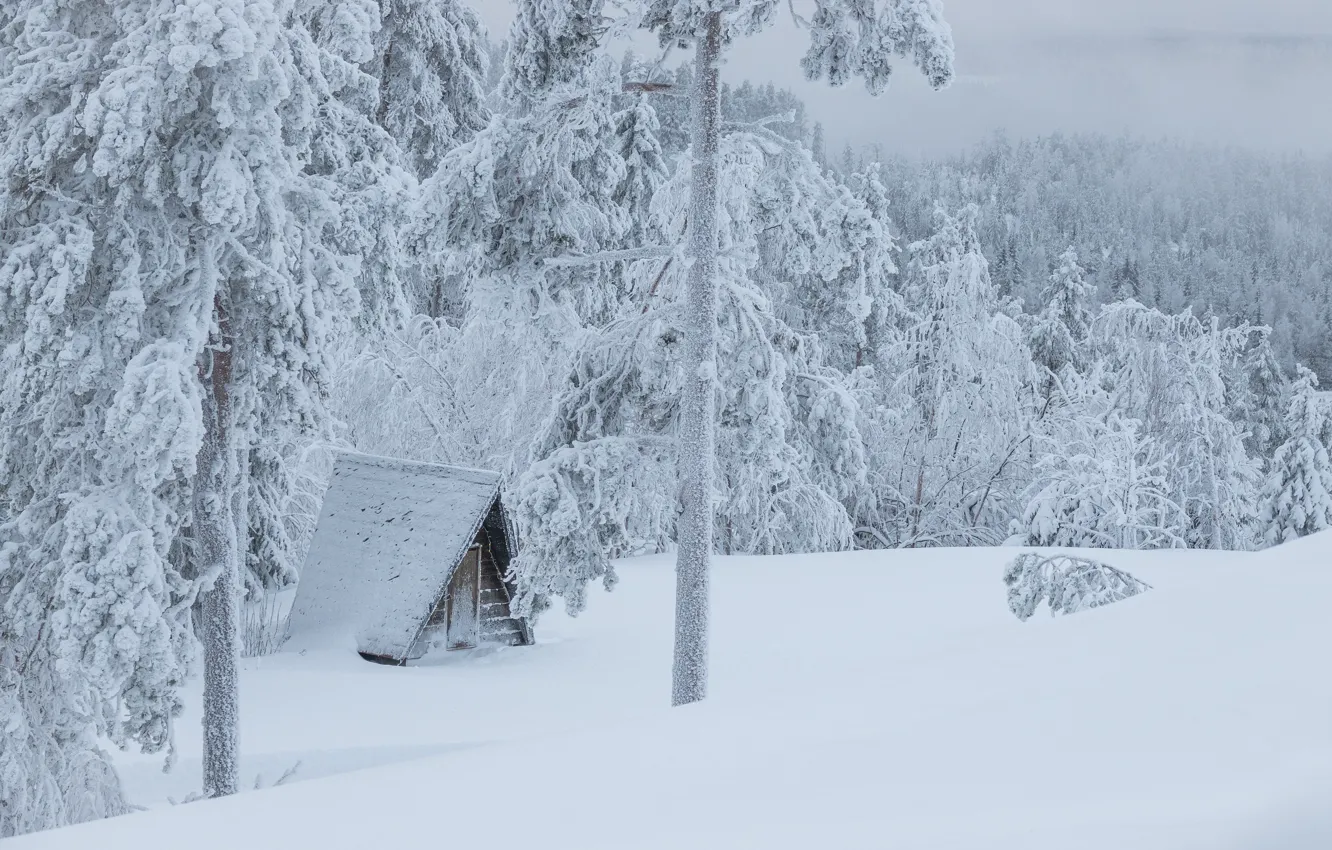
[(859, 700)]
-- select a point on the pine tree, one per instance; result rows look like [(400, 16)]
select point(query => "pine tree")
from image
[(1258, 395), (1298, 497), (428, 65), (849, 159), (538, 182), (165, 295), (358, 168), (550, 45), (845, 40)]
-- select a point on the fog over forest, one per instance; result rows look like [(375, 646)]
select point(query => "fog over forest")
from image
[(1220, 72)]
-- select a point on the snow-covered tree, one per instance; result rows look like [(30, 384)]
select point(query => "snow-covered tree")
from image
[(880, 274), (1168, 373), (604, 481), (1258, 396), (537, 184), (846, 40), (1298, 497), (825, 254), (545, 180), (816, 146), (430, 60), (1099, 481), (1058, 337), (1066, 583), (357, 166), (435, 392), (948, 459), (645, 168), (550, 44), (165, 294)]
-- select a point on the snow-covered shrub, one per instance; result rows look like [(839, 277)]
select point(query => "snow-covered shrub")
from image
[(1067, 583)]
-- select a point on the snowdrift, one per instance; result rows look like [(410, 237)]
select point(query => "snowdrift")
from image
[(875, 699)]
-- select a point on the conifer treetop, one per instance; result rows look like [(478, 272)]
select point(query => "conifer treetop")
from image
[(847, 38)]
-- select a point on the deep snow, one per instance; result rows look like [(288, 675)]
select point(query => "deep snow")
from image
[(874, 699)]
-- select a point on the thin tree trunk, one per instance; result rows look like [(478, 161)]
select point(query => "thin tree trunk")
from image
[(215, 538), (698, 421)]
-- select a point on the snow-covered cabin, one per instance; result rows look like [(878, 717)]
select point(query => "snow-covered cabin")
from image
[(407, 556)]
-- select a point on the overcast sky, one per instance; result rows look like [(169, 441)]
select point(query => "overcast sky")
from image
[(1256, 73)]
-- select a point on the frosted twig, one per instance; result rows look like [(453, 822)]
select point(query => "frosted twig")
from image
[(796, 18)]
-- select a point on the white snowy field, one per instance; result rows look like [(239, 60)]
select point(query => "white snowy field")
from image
[(875, 700)]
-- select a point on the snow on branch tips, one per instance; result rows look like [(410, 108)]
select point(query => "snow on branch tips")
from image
[(1067, 583)]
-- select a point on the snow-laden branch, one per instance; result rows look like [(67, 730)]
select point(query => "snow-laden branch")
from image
[(787, 117), (648, 252), (646, 86), (633, 87)]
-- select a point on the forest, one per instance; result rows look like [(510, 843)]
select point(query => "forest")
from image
[(237, 240)]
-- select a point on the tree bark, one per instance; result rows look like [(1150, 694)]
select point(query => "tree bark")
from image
[(699, 414), (215, 540)]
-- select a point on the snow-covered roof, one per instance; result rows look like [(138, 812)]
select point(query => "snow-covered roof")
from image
[(389, 535)]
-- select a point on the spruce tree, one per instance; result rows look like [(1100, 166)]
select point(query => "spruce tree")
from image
[(1298, 497), (1059, 336), (430, 61), (645, 170), (817, 146)]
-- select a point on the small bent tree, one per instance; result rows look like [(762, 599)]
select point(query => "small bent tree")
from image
[(1067, 583)]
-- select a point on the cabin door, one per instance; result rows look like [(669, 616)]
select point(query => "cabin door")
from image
[(464, 615)]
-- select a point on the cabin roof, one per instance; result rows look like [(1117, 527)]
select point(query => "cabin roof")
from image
[(389, 535)]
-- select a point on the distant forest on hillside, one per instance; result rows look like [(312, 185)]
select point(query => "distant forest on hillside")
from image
[(1236, 234), (1241, 235)]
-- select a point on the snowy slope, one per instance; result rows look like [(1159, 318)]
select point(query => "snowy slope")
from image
[(859, 700)]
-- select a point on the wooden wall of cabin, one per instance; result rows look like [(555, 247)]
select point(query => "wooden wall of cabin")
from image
[(497, 622), (498, 626)]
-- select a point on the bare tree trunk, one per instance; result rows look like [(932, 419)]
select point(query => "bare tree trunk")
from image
[(215, 539), (698, 421)]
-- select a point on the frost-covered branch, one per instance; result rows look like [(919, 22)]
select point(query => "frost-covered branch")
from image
[(649, 252)]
